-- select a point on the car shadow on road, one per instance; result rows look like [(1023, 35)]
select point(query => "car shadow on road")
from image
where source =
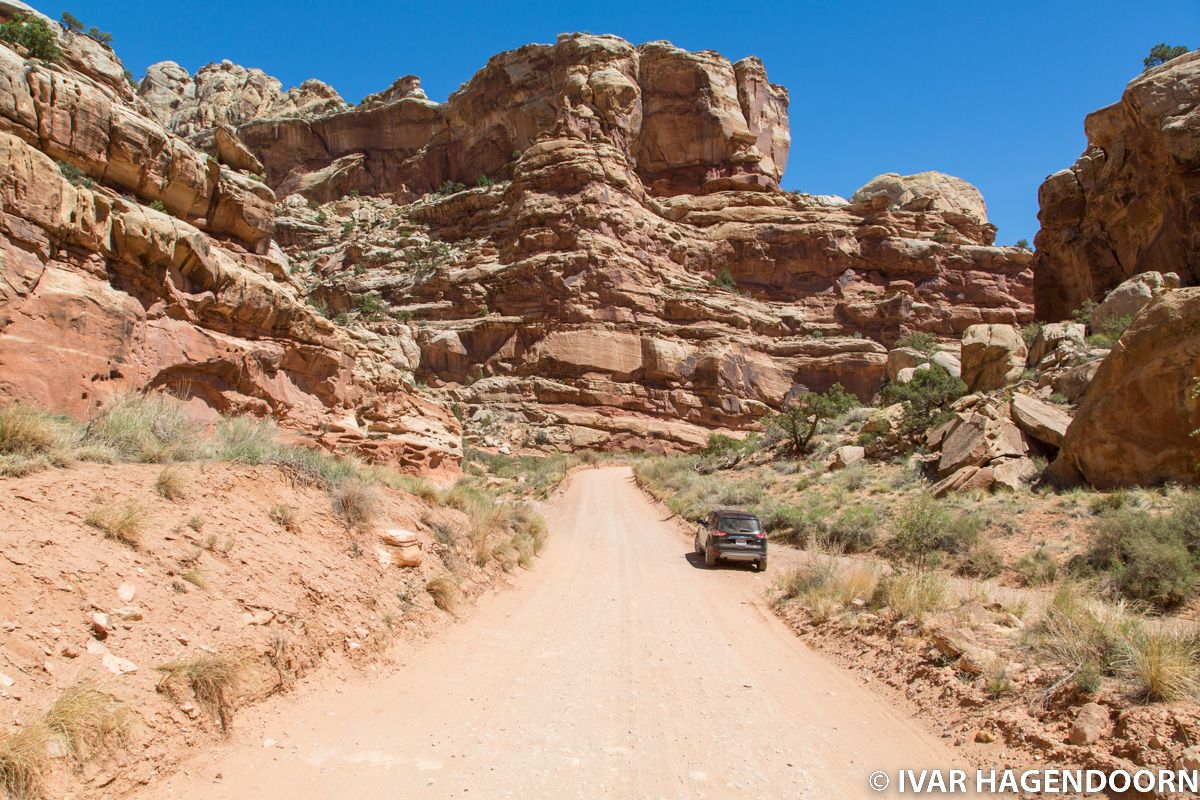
[(697, 561)]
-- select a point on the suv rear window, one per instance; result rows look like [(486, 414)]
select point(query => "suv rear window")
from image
[(738, 525)]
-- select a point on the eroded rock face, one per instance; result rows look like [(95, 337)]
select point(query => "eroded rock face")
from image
[(1131, 203), (926, 191), (154, 267), (690, 122), (1135, 421)]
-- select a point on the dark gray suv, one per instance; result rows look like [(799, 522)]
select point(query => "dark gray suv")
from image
[(731, 536)]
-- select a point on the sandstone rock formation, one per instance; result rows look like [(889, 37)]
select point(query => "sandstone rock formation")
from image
[(130, 260), (627, 273), (1130, 297), (1130, 204), (1135, 422), (992, 356)]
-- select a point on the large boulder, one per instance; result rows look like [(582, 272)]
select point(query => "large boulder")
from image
[(1042, 421), (1131, 203), (1135, 422), (974, 440), (904, 358), (925, 191), (1054, 338), (993, 356), (1125, 301)]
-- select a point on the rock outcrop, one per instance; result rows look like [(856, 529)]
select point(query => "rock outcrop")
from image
[(130, 260), (1136, 420), (1131, 203), (627, 273)]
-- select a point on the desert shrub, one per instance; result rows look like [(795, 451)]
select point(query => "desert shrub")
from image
[(1023, 244), (34, 34), (286, 517), (172, 483), (71, 22), (1030, 333), (372, 305), (719, 445), (1084, 312), (854, 529), (1162, 663), (445, 592), (924, 529), (1037, 568), (120, 520), (355, 502), (195, 577), (1161, 54), (919, 340), (151, 428), (88, 719), (826, 585), (981, 560), (912, 595), (797, 420), (246, 440), (724, 280), (1145, 556), (1108, 334), (24, 763), (451, 187), (33, 439), (1075, 631), (484, 181), (926, 398), (212, 678), (74, 175), (159, 206)]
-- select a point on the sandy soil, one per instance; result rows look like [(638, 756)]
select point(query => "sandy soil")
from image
[(620, 668)]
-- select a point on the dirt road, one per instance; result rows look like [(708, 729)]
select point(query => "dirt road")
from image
[(618, 668)]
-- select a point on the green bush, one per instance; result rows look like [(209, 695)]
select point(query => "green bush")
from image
[(919, 340), (1161, 54), (451, 187), (159, 205), (372, 305), (1037, 568), (926, 398), (854, 529), (724, 280), (981, 560), (925, 529), (720, 445), (1146, 556), (797, 421), (71, 22), (484, 181), (34, 34)]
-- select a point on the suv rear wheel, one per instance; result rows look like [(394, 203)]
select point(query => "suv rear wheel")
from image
[(760, 565), (710, 557)]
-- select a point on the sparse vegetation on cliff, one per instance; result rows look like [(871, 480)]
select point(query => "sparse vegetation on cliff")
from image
[(34, 34)]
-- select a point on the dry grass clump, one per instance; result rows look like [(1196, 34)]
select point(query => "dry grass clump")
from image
[(445, 592), (914, 594), (24, 762), (1091, 638), (121, 520), (1162, 663), (828, 585), (195, 577), (88, 720), (355, 502), (172, 483), (85, 720), (33, 439), (286, 517), (212, 679), (151, 428)]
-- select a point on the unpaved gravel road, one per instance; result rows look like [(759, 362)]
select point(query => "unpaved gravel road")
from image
[(618, 668)]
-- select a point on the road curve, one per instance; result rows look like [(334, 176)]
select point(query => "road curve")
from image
[(618, 668)]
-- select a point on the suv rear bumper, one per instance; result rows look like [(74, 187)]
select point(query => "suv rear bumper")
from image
[(733, 552)]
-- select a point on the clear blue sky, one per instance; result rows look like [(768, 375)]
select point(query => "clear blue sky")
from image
[(993, 92)]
